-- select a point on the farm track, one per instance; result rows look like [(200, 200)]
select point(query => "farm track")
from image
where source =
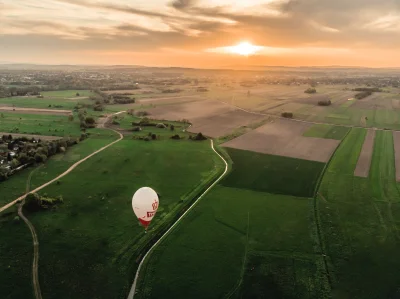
[(101, 125), (133, 288), (35, 263)]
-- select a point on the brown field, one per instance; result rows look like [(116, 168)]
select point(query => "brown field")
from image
[(34, 111), (32, 136), (365, 158), (224, 124), (190, 110), (169, 100), (396, 140), (284, 138), (377, 100)]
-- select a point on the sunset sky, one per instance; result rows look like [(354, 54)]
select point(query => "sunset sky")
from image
[(201, 33)]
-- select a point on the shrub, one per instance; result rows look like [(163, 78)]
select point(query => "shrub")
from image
[(40, 158), (172, 127), (161, 126), (287, 114), (153, 136), (142, 113), (325, 103), (199, 137), (136, 129), (176, 137), (362, 95), (146, 139), (310, 90)]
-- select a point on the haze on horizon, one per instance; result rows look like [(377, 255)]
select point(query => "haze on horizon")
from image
[(201, 33)]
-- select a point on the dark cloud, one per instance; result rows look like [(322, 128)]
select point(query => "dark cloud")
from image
[(182, 4)]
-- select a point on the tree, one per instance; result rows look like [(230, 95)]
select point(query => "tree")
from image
[(77, 94), (310, 90), (70, 117), (23, 158), (40, 158), (172, 128), (90, 120), (14, 163), (33, 202)]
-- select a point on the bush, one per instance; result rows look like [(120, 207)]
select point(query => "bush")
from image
[(310, 90), (153, 136), (287, 114), (368, 89), (325, 103), (146, 139), (40, 158), (136, 129), (142, 113), (176, 137), (199, 137), (363, 95), (172, 127)]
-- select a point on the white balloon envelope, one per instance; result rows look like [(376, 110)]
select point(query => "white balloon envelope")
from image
[(145, 205)]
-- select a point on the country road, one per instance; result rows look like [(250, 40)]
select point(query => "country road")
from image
[(133, 288), (101, 125)]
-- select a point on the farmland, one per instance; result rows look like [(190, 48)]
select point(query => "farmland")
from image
[(359, 219), (39, 124), (279, 174), (284, 138), (43, 103), (94, 216), (327, 131), (242, 243)]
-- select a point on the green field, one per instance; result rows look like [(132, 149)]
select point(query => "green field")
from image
[(273, 174), (66, 93), (44, 103), (359, 218), (241, 243), (327, 132), (39, 124), (97, 213), (15, 185)]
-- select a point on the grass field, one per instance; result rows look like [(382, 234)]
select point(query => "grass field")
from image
[(241, 243), (327, 131), (359, 218), (66, 93), (39, 124), (273, 174), (44, 103), (95, 234), (15, 185)]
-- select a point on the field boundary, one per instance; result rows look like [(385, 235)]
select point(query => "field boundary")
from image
[(132, 292), (69, 169)]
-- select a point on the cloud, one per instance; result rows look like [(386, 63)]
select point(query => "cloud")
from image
[(182, 4)]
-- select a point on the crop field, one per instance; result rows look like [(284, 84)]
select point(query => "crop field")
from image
[(326, 131), (97, 213), (43, 103), (359, 220), (273, 174), (39, 124), (364, 160), (284, 138), (396, 140)]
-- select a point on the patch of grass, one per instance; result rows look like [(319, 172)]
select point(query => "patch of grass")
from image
[(327, 132), (358, 219), (95, 230), (273, 174), (40, 124), (66, 93), (43, 103), (236, 242), (14, 187), (338, 116), (348, 103)]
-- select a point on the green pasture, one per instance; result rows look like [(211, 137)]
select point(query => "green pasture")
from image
[(66, 93), (40, 124), (43, 103)]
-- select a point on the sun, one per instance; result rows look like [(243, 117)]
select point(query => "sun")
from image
[(245, 49)]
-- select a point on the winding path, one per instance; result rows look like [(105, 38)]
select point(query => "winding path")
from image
[(69, 169), (133, 288)]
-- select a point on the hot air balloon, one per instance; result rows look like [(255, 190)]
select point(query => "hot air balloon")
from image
[(145, 205)]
